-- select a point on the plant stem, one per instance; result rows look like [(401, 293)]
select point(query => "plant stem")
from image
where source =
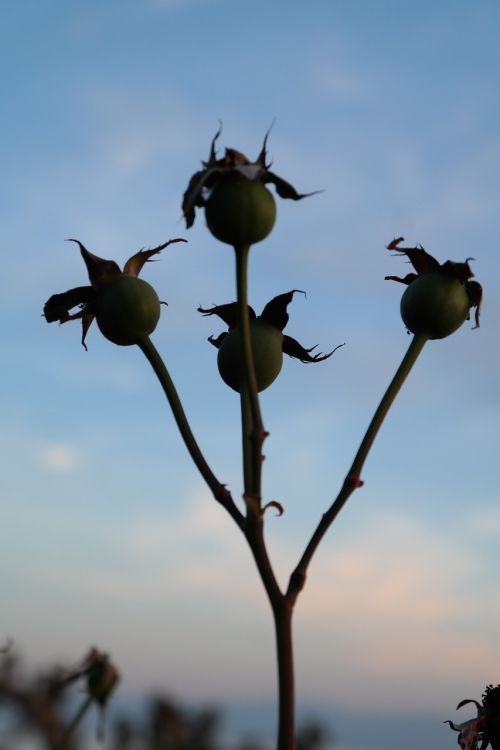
[(256, 434), (253, 436), (284, 647), (352, 480), (246, 429), (219, 491), (282, 613), (68, 733)]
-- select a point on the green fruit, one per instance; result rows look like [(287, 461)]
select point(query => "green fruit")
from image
[(127, 309), (435, 305), (240, 211), (267, 347)]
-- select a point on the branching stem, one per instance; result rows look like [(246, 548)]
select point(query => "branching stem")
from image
[(253, 436)]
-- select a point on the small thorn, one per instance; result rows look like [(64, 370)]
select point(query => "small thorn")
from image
[(355, 481)]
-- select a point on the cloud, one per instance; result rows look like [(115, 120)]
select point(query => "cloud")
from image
[(339, 82), (402, 610), (485, 520), (179, 554), (171, 5), (59, 458), (396, 611)]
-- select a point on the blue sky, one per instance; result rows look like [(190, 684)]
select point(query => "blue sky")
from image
[(108, 536)]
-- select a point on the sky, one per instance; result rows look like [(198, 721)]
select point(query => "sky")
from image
[(108, 535)]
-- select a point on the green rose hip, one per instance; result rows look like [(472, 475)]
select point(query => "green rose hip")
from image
[(267, 348), (240, 211), (435, 305), (127, 310)]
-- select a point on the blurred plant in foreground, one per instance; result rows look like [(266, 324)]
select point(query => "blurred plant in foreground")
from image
[(35, 708)]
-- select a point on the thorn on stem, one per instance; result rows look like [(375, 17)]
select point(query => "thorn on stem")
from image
[(355, 481)]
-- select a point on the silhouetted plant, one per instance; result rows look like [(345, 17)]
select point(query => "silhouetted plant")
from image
[(240, 210)]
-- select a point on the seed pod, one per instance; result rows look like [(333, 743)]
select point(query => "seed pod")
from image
[(127, 309), (240, 211), (267, 348), (435, 305)]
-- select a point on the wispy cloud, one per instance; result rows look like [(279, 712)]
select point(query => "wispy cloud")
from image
[(339, 81), (394, 599), (170, 5), (59, 458)]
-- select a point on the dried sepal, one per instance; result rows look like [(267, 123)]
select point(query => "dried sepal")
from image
[(100, 270), (295, 350), (420, 259), (275, 312), (475, 292), (58, 305), (285, 189), (135, 264), (470, 733), (217, 341), (403, 279), (228, 313), (87, 320), (232, 163), (274, 315), (484, 729)]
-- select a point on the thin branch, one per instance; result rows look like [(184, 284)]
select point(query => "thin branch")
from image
[(352, 480), (219, 491), (246, 429)]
